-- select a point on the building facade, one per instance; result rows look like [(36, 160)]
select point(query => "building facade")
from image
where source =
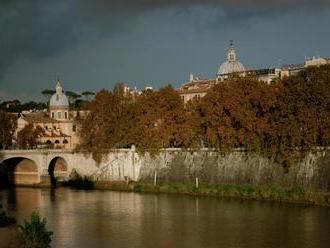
[(59, 129)]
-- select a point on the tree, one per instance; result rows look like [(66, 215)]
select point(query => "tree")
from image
[(236, 113), (48, 94), (87, 95), (8, 124), (110, 121), (72, 96), (27, 138), (160, 119)]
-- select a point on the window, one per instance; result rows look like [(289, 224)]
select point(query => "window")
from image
[(65, 141), (59, 115), (66, 115), (74, 128), (53, 115), (57, 141)]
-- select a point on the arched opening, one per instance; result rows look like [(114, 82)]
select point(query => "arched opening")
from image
[(58, 170), (18, 171)]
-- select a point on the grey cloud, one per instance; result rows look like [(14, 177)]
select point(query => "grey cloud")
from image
[(41, 28)]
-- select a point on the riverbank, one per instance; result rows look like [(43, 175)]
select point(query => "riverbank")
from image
[(274, 193)]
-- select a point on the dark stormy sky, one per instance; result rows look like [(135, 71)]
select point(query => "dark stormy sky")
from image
[(92, 44)]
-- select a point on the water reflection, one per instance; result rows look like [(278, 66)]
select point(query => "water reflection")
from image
[(112, 219)]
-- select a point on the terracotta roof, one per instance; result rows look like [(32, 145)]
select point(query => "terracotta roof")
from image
[(38, 117), (197, 86)]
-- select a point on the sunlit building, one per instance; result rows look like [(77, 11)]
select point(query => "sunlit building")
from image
[(58, 127)]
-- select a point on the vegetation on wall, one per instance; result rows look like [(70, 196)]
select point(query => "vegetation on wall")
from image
[(281, 119)]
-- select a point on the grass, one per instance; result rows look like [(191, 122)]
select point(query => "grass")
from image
[(242, 191)]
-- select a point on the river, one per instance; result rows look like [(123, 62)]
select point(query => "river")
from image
[(120, 219)]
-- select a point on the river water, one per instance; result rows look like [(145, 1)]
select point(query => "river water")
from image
[(120, 219)]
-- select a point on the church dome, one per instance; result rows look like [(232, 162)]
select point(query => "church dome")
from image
[(59, 99), (232, 64)]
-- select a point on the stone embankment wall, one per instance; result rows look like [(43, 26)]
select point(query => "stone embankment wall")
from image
[(175, 165), (237, 167)]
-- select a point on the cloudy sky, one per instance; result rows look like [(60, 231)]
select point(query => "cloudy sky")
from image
[(92, 44)]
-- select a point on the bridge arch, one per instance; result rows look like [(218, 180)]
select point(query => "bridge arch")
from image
[(58, 169), (19, 171)]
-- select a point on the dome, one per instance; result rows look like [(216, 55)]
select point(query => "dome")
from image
[(230, 67), (232, 64), (59, 99)]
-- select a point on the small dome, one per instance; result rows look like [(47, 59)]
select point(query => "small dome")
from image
[(59, 99), (232, 64)]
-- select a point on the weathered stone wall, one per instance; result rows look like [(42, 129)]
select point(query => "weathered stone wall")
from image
[(237, 167)]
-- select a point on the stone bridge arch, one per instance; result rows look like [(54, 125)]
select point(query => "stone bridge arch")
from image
[(19, 170), (58, 169)]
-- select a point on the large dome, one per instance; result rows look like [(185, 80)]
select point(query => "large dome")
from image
[(232, 64), (228, 67), (59, 99)]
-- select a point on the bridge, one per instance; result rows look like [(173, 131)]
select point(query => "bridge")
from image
[(41, 167)]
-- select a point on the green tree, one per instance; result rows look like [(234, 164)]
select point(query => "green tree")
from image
[(72, 96), (87, 95), (48, 94)]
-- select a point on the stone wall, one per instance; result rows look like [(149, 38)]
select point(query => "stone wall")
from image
[(237, 167)]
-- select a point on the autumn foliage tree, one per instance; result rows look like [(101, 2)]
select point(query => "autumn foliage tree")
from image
[(236, 113), (160, 119), (8, 124), (274, 119), (110, 122), (27, 138)]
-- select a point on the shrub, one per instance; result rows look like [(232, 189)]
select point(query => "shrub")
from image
[(138, 188), (80, 182), (34, 234)]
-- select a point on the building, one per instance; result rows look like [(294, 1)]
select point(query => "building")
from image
[(196, 87), (316, 61), (294, 69), (59, 130)]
